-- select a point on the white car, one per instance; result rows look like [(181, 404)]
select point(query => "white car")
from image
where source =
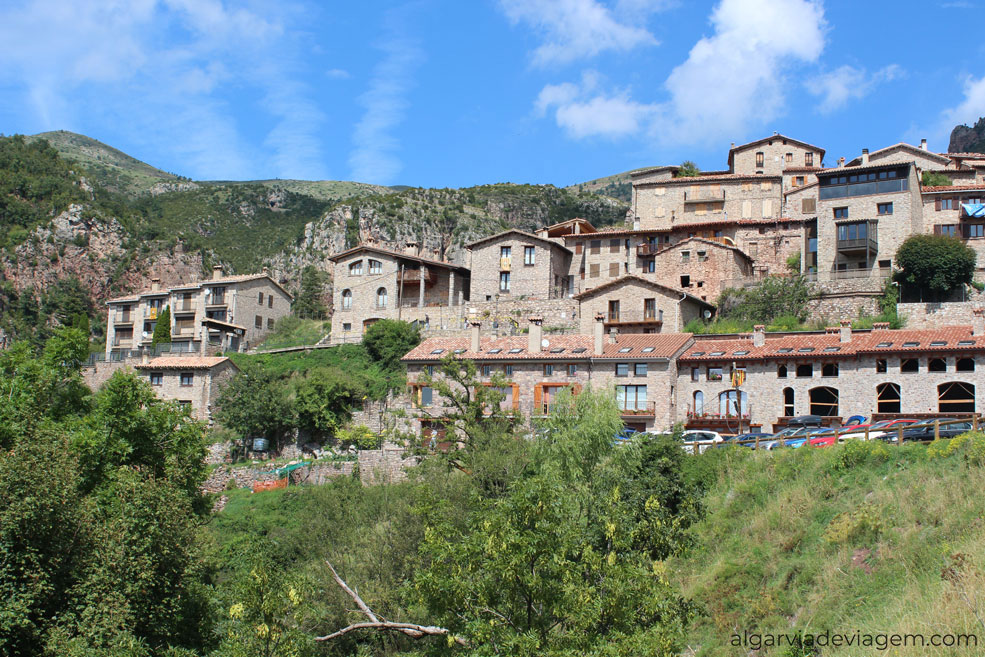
[(698, 440)]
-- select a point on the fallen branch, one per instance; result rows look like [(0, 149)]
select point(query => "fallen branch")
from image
[(410, 629)]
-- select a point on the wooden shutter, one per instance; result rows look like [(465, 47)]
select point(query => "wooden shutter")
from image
[(538, 399), (937, 230), (578, 246), (516, 396), (937, 204)]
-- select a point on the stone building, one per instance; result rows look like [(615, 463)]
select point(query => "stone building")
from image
[(519, 264), (193, 381), (223, 313), (371, 283), (632, 304), (639, 369)]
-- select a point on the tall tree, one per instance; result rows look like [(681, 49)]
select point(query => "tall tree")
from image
[(162, 330), (309, 303)]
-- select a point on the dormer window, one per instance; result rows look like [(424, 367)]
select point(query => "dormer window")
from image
[(375, 267), (356, 268)]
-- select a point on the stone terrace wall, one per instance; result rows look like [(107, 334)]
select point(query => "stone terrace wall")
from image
[(846, 299), (935, 315), (387, 465), (98, 373)]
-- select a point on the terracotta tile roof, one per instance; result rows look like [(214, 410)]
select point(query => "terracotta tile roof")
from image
[(741, 147), (633, 278), (677, 227), (183, 363), (665, 345), (933, 189), (132, 298), (808, 346), (375, 249), (648, 170), (225, 280), (692, 180), (526, 235), (867, 167), (794, 190), (803, 169), (965, 154)]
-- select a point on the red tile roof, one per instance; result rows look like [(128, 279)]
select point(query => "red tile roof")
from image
[(665, 345), (677, 227), (692, 180), (375, 249), (933, 189), (183, 363), (633, 278)]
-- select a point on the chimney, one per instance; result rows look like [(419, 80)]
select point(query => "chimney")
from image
[(155, 284), (410, 248), (758, 335), (599, 333), (265, 271), (732, 147), (880, 326), (978, 321), (144, 356), (841, 162), (923, 144), (535, 335), (216, 272), (865, 156), (474, 326), (845, 334)]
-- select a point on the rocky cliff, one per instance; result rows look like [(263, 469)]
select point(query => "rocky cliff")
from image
[(968, 140)]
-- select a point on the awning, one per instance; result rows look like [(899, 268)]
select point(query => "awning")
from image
[(976, 210), (224, 326)]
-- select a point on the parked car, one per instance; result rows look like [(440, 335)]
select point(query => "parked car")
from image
[(805, 421), (698, 440), (784, 438), (624, 436), (823, 438), (749, 436), (925, 430), (855, 420), (883, 427)]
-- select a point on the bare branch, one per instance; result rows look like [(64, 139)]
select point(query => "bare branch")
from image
[(410, 629)]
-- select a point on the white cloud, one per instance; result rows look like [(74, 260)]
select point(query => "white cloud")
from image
[(733, 80), (967, 112), (374, 156), (583, 110), (337, 74), (160, 70), (847, 83), (576, 29)]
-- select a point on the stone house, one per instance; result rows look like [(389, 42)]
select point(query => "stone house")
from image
[(955, 210), (639, 369), (632, 304), (371, 283), (835, 374), (519, 264), (193, 381), (701, 267), (223, 313)]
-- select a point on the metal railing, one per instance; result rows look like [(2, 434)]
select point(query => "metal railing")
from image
[(632, 317), (849, 274)]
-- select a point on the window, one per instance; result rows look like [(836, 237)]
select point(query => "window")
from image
[(733, 403), (429, 369), (529, 255), (841, 213), (572, 369), (613, 246), (156, 378), (829, 369), (850, 232), (639, 369), (788, 158), (487, 370), (805, 371), (945, 204), (650, 266), (685, 256), (508, 370), (884, 208), (593, 271), (622, 369), (823, 401), (702, 256), (937, 365), (649, 309), (788, 398), (346, 299), (808, 159), (951, 230), (595, 246), (260, 298), (714, 373), (909, 365), (695, 374), (685, 281), (965, 365), (799, 181), (505, 251), (381, 297), (187, 378), (270, 323), (631, 398), (613, 270), (270, 301), (781, 372), (956, 397), (974, 230), (427, 396), (347, 326), (548, 369), (760, 158), (375, 267), (504, 281), (578, 247), (699, 402), (887, 398), (356, 268), (881, 365), (258, 322)]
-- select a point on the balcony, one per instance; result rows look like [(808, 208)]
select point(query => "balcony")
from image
[(123, 318), (616, 318), (646, 249), (415, 275), (704, 195), (858, 245), (642, 410), (505, 263)]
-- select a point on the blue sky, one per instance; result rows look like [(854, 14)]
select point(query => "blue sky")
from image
[(450, 93)]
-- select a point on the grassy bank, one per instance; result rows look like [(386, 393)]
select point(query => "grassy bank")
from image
[(862, 537)]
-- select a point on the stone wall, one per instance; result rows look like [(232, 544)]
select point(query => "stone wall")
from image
[(98, 373), (936, 315), (387, 465)]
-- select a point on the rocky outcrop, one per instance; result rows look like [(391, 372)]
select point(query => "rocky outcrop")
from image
[(968, 140)]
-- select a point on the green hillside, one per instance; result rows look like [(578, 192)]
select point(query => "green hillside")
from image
[(618, 186), (863, 537), (105, 165)]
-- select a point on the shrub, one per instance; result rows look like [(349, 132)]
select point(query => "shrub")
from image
[(970, 445), (934, 179), (859, 452), (936, 264), (860, 525)]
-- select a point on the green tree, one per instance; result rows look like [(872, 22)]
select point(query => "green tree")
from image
[(323, 399), (255, 403), (388, 340), (774, 297), (162, 329), (688, 169), (935, 179), (309, 303), (935, 264)]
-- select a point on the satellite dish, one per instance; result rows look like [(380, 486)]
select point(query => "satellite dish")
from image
[(545, 343), (707, 314)]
